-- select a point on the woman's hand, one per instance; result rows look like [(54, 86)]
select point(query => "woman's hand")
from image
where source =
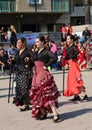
[(9, 61), (26, 59), (45, 67)]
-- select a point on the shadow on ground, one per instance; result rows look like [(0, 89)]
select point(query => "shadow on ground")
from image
[(73, 114), (73, 102)]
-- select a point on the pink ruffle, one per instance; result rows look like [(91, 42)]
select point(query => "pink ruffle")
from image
[(43, 92)]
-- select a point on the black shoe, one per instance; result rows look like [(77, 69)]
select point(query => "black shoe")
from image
[(76, 98), (56, 120), (85, 98), (25, 108), (42, 117)]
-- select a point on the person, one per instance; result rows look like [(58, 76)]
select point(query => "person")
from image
[(54, 49), (70, 29), (76, 38), (82, 58), (2, 46), (8, 34), (13, 38), (63, 31), (75, 84), (2, 33), (47, 39), (86, 34), (3, 62), (23, 74), (64, 62), (43, 93), (11, 51), (89, 56)]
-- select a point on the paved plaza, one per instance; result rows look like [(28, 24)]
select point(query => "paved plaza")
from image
[(74, 115)]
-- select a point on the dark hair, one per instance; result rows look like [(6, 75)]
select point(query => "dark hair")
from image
[(51, 41), (41, 38), (23, 40), (11, 45), (71, 37), (1, 44)]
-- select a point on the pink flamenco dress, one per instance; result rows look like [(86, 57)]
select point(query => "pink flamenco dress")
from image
[(44, 91), (74, 79)]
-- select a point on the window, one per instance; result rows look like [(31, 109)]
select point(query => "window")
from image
[(33, 1)]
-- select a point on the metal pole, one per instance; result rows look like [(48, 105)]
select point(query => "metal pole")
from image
[(9, 93), (36, 22), (63, 79), (12, 79)]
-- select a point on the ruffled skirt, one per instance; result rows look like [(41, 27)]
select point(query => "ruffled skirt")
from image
[(44, 91), (74, 79)]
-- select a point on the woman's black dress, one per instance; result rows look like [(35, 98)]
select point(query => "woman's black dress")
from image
[(23, 77)]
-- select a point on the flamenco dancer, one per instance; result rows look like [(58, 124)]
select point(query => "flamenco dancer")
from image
[(44, 93), (75, 84), (23, 74)]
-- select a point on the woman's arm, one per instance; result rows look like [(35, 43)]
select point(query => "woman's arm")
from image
[(53, 58)]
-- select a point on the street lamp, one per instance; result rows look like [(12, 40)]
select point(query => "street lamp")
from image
[(87, 11)]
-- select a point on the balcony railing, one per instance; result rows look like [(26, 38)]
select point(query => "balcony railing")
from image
[(78, 11), (59, 6), (7, 5)]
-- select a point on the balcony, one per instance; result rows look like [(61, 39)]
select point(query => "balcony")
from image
[(7, 6), (60, 6)]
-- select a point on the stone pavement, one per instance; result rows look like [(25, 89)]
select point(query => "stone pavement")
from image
[(74, 115)]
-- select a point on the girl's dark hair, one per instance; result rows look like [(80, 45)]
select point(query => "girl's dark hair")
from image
[(23, 40), (51, 41), (41, 38)]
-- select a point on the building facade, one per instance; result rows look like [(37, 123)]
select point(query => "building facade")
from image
[(78, 14), (34, 15), (41, 15)]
